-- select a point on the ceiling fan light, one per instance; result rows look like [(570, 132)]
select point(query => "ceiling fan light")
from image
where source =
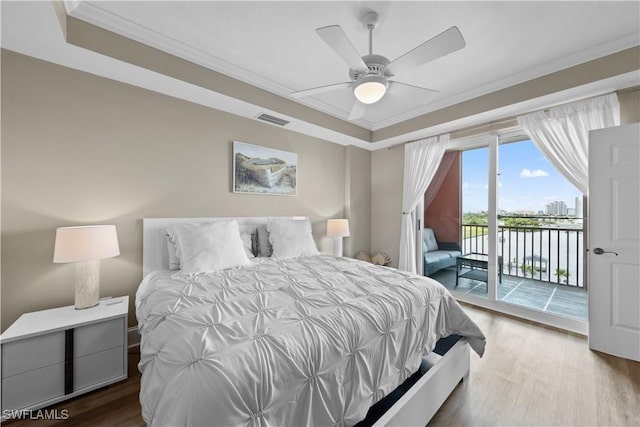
[(371, 89)]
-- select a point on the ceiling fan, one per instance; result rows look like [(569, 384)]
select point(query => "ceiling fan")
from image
[(370, 75)]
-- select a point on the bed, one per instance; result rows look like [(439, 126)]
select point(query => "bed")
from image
[(301, 340)]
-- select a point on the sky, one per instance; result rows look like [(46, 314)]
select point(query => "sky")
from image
[(527, 182)]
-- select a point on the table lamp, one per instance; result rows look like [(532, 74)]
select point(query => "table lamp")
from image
[(337, 228), (86, 246)]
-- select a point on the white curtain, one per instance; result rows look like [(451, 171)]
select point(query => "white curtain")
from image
[(562, 134), (421, 160)]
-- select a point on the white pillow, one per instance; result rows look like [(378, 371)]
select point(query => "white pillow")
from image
[(247, 244), (291, 238), (208, 247)]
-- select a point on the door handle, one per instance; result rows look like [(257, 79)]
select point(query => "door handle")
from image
[(600, 251)]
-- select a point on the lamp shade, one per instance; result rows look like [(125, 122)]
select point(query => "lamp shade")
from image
[(337, 228), (85, 243)]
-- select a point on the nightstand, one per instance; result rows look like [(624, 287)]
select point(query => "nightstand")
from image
[(53, 355)]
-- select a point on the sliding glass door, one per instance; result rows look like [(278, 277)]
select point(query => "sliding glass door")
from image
[(520, 233), (540, 234)]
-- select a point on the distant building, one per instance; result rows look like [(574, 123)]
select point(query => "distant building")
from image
[(557, 207)]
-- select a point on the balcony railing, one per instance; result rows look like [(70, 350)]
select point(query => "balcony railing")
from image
[(550, 254)]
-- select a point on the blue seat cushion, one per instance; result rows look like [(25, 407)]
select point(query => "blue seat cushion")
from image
[(452, 254), (436, 256)]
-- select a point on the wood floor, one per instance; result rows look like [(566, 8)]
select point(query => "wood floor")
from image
[(530, 375)]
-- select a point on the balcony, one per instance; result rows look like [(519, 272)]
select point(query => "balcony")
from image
[(542, 267)]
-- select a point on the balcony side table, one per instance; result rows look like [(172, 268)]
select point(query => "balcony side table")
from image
[(478, 265)]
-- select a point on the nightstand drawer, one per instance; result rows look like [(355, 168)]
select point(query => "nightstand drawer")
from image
[(39, 385), (32, 353), (99, 367), (53, 355), (98, 337)]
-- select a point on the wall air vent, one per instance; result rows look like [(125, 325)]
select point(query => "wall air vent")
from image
[(274, 120)]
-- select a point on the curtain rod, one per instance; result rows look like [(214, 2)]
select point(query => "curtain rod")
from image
[(458, 134)]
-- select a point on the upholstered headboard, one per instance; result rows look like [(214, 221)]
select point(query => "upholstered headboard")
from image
[(155, 254)]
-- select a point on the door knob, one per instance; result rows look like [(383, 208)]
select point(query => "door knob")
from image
[(600, 251)]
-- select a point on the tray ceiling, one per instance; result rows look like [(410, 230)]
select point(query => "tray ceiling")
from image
[(273, 45), (511, 63)]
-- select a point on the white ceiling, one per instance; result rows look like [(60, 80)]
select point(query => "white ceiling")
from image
[(273, 45)]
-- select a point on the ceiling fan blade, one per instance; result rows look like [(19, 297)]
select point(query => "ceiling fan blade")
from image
[(423, 95), (357, 111), (443, 44), (320, 89), (340, 43)]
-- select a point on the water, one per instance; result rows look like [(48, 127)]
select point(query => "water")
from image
[(552, 249)]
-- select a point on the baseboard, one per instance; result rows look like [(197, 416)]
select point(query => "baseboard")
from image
[(133, 337)]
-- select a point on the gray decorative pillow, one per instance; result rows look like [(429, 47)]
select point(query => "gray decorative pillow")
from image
[(430, 239), (264, 247), (247, 244)]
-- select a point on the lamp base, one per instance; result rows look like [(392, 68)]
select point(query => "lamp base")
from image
[(87, 284), (337, 246)]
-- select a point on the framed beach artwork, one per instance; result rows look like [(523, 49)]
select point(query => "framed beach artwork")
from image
[(263, 170)]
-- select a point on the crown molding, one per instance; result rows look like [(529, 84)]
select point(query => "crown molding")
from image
[(95, 15)]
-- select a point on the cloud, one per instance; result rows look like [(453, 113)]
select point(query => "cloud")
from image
[(526, 173), (472, 185), (486, 186)]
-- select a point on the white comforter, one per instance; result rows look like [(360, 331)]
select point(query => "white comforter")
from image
[(307, 341)]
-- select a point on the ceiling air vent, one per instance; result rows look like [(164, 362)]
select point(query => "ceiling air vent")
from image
[(274, 120)]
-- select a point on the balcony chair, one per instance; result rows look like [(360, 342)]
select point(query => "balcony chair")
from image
[(438, 255)]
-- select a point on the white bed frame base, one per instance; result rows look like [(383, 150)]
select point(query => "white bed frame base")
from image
[(421, 402), (415, 408)]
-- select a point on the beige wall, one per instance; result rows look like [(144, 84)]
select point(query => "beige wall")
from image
[(358, 200), (629, 106), (386, 200), (80, 149)]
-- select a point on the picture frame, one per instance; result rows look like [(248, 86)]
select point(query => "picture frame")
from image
[(264, 170)]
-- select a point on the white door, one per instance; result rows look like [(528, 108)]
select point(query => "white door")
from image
[(614, 241)]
